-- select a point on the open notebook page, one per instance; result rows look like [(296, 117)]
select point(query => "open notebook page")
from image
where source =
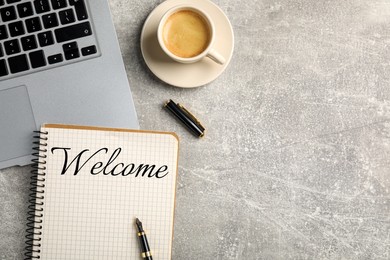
[(97, 182)]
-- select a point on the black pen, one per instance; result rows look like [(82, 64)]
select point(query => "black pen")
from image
[(145, 250), (186, 118)]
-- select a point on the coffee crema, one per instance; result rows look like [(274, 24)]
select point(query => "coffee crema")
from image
[(186, 34)]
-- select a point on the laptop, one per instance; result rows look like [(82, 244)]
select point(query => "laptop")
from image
[(60, 62)]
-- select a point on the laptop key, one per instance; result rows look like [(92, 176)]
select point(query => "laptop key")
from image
[(72, 54), (33, 24), (1, 2), (67, 16), (41, 6), (8, 13), (13, 1), (25, 9), (57, 4), (18, 63), (50, 20), (16, 28), (3, 32), (55, 58), (73, 32), (71, 50), (45, 38), (88, 50), (81, 11), (70, 46), (3, 68), (29, 43), (37, 59), (12, 47), (1, 51)]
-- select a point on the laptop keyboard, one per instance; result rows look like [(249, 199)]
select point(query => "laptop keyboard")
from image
[(37, 35)]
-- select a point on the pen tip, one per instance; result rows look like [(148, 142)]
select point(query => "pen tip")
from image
[(138, 223)]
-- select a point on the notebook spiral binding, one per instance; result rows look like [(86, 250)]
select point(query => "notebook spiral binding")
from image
[(35, 213)]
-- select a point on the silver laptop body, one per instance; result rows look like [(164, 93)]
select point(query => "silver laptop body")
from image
[(72, 74)]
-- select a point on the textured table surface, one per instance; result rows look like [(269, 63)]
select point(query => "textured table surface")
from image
[(296, 160)]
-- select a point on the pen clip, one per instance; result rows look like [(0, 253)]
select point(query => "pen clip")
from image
[(190, 115)]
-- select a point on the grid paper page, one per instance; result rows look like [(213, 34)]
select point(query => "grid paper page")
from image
[(92, 216)]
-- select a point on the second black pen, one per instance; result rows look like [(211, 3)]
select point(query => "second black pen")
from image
[(184, 116)]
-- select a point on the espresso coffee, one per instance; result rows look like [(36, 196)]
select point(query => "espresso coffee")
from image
[(186, 34)]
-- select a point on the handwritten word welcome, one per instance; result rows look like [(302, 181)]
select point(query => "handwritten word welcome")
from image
[(109, 166)]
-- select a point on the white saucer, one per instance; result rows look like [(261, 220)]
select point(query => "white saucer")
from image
[(186, 75)]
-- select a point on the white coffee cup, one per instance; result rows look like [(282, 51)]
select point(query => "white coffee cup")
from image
[(186, 34)]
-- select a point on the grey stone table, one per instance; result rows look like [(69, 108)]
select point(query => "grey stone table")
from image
[(296, 160)]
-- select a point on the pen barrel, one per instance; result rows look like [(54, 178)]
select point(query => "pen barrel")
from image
[(145, 249), (185, 118)]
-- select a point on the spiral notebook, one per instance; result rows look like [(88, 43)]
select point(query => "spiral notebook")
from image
[(89, 186)]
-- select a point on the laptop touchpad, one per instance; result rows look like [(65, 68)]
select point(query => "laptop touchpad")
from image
[(16, 123)]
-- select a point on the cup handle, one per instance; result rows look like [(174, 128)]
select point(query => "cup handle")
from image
[(215, 56)]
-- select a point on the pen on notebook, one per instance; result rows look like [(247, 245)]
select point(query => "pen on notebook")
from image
[(184, 116), (145, 249)]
